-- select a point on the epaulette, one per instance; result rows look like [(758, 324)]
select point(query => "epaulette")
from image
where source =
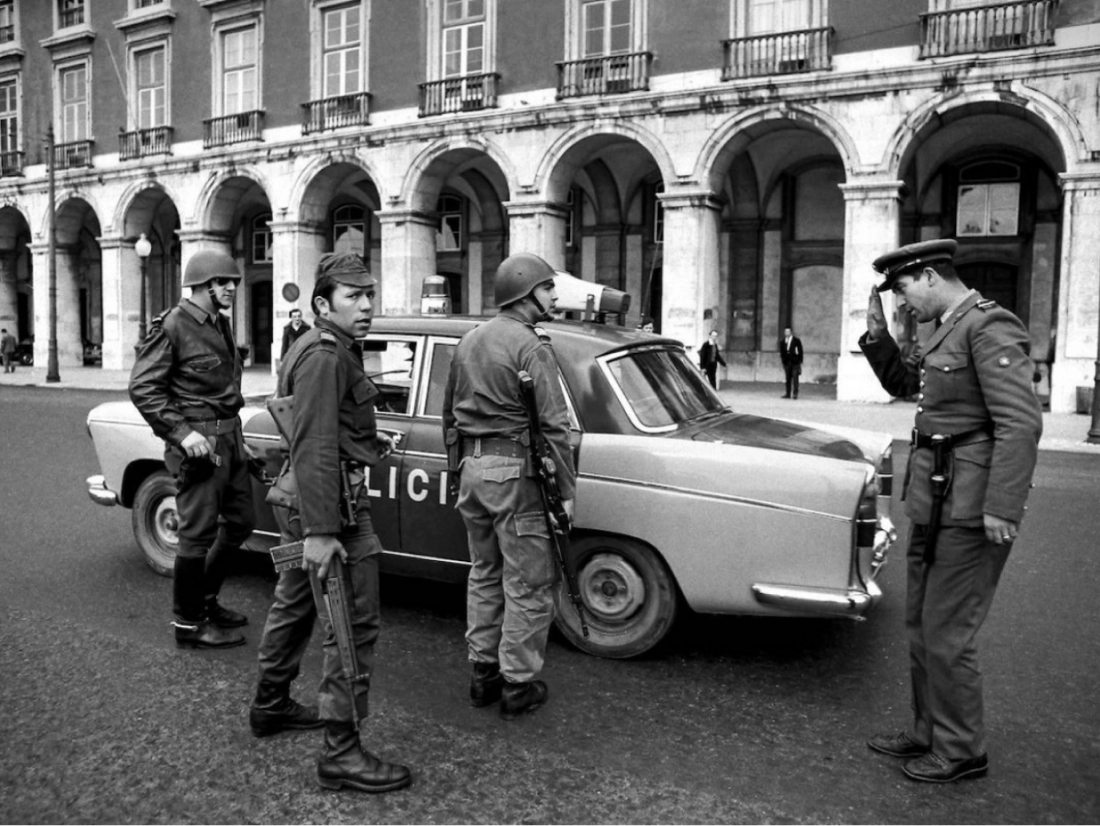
[(157, 321), (986, 304), (544, 336), (327, 337)]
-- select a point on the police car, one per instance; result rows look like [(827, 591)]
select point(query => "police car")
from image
[(680, 501)]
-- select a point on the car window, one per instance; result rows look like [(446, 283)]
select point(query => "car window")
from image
[(442, 352), (661, 388), (391, 365)]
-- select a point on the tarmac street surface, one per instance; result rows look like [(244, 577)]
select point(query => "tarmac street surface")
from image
[(733, 720)]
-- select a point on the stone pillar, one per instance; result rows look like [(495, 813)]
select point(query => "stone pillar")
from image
[(295, 250), (690, 266), (70, 349), (9, 303), (538, 227), (408, 256), (121, 302), (1079, 297), (871, 227)]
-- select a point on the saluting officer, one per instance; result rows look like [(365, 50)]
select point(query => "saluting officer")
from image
[(510, 600), (333, 425), (187, 384), (972, 457)]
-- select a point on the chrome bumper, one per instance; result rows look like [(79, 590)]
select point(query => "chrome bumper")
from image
[(99, 493)]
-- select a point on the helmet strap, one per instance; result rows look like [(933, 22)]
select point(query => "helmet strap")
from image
[(543, 314)]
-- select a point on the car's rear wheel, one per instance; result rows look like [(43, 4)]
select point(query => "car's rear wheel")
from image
[(628, 593), (156, 521)]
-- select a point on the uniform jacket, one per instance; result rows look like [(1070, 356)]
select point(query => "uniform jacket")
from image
[(710, 354), (333, 420), (974, 375), (187, 367), (290, 335), (792, 355), (483, 397)]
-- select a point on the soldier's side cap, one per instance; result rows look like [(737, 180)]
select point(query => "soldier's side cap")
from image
[(912, 257), (345, 268)]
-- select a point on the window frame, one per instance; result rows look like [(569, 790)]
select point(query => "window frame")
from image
[(135, 52), (15, 81), (741, 18), (260, 228), (13, 23), (443, 214), (59, 12), (574, 28), (322, 50), (436, 39), (363, 223), (60, 70), (219, 29)]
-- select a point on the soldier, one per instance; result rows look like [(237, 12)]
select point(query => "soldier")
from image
[(510, 601), (973, 453), (187, 384), (333, 436)]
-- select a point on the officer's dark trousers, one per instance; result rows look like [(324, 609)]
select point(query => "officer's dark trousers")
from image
[(946, 604), (206, 547)]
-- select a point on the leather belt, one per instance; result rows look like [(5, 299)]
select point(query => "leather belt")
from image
[(215, 427), (492, 446), (919, 439)]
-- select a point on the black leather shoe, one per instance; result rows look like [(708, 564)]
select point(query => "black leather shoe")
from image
[(223, 617), (522, 698), (896, 745), (345, 764), (205, 635), (486, 684), (287, 716), (931, 768)]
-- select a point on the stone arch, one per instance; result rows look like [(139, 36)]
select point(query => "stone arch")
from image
[(131, 200), (62, 199), (299, 204), (212, 196), (447, 157)]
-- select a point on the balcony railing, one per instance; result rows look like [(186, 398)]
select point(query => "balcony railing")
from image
[(988, 28), (72, 155), (243, 126), (156, 140), (784, 53), (335, 113), (11, 164), (607, 75), (459, 94)]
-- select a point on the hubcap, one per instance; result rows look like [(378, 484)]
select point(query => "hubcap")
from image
[(166, 521), (610, 587)]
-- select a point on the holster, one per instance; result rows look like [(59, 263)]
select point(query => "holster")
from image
[(453, 439), (284, 493), (938, 483)]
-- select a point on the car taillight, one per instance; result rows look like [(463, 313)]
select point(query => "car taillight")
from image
[(886, 472), (867, 513)]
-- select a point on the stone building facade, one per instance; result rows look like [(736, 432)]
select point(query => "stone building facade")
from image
[(734, 165)]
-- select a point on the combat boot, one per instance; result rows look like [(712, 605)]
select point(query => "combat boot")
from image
[(274, 711), (204, 635), (486, 683), (223, 617), (522, 698), (344, 763)]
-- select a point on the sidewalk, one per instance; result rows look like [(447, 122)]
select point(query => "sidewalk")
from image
[(817, 403)]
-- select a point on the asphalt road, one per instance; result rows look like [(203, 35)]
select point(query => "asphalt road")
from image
[(102, 719)]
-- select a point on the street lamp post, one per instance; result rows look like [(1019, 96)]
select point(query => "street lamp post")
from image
[(143, 248)]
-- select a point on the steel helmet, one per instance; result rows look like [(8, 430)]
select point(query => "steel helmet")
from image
[(517, 275), (207, 264)]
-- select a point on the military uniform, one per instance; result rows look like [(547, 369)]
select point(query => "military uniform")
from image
[(972, 383), (510, 601), (187, 378)]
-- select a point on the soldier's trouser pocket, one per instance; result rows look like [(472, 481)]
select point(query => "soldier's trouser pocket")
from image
[(532, 554)]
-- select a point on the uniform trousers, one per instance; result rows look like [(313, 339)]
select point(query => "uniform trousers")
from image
[(510, 597), (207, 546), (792, 373), (946, 604)]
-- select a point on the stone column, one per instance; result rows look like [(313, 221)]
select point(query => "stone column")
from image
[(408, 256), (9, 303), (871, 227), (70, 349), (538, 227), (1079, 297), (296, 247), (690, 272), (121, 301)]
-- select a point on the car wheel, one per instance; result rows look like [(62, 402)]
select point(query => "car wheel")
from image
[(156, 522), (629, 597)]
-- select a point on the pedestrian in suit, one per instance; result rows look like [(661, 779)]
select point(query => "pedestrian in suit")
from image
[(976, 409), (790, 352), (710, 357), (7, 350), (293, 331)]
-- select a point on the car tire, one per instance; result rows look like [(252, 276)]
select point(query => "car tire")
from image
[(155, 521), (629, 596)]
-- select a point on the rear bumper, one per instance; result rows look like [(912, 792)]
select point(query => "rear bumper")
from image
[(820, 602), (99, 493)]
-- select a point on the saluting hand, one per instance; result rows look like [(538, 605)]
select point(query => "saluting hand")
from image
[(318, 553), (876, 317)]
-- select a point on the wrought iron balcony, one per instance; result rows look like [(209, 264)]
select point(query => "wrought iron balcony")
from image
[(988, 28), (606, 75), (156, 140), (72, 155), (228, 129), (336, 113), (783, 53), (11, 164), (459, 94)]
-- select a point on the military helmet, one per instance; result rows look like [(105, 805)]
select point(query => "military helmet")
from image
[(517, 275), (207, 264)]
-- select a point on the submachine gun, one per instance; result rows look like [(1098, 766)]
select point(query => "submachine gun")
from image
[(557, 519)]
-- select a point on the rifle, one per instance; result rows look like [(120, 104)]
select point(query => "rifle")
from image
[(557, 519), (338, 603)]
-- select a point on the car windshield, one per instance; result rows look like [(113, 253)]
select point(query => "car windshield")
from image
[(661, 388)]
